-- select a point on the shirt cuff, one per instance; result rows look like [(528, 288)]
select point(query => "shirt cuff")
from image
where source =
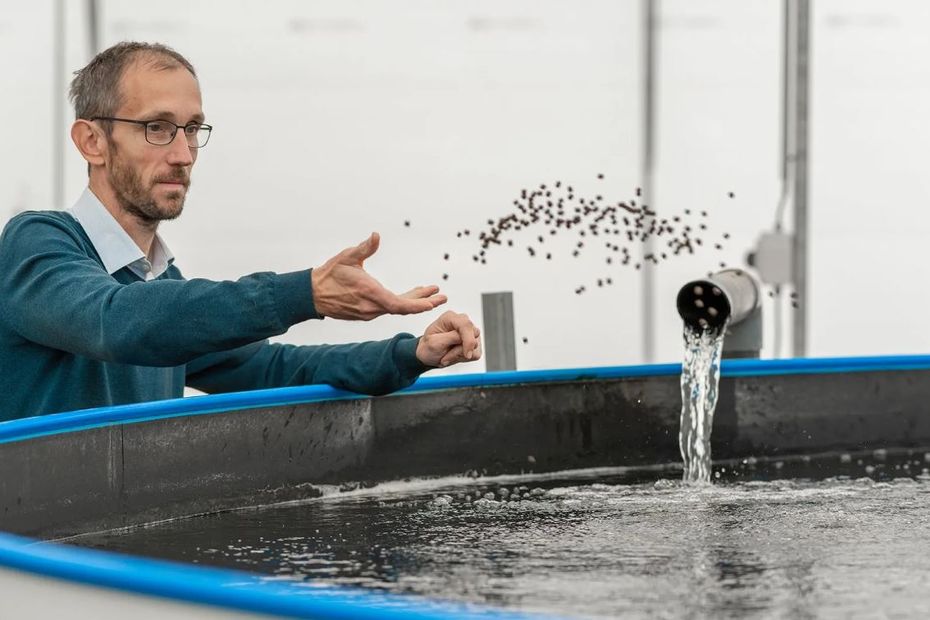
[(294, 297), (405, 356)]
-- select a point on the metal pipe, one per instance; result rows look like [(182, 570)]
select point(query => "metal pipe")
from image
[(801, 155), (58, 106), (93, 27), (786, 142), (784, 193), (728, 296), (728, 300), (649, 10)]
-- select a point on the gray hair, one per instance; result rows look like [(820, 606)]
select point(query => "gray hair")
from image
[(95, 89)]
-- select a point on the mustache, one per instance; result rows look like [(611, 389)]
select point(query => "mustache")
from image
[(176, 177)]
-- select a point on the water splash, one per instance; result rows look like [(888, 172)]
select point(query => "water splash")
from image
[(700, 376)]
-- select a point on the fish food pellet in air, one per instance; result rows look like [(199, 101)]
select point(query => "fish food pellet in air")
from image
[(548, 207)]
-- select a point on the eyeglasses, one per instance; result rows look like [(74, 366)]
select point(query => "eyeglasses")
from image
[(161, 133)]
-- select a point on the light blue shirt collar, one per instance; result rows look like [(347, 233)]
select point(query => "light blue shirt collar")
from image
[(114, 245)]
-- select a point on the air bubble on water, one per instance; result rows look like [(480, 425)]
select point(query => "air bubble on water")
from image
[(443, 501), (869, 469), (845, 458)]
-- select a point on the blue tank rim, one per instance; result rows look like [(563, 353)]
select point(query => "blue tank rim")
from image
[(51, 424), (226, 588)]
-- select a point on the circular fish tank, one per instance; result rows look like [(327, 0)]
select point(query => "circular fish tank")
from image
[(541, 493)]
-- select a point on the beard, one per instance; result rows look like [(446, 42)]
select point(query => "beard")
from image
[(140, 200)]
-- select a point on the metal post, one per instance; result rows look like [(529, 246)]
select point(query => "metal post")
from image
[(499, 346), (58, 107), (649, 10), (801, 92), (93, 27)]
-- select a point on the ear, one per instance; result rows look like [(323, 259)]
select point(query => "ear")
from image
[(90, 141)]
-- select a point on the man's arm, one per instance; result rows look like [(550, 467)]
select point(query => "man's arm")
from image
[(367, 368), (53, 294)]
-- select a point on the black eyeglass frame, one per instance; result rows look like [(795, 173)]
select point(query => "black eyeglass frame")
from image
[(174, 133)]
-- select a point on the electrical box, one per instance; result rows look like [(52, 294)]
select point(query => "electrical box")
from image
[(772, 257)]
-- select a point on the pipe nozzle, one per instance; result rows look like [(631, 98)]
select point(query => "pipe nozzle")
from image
[(728, 295)]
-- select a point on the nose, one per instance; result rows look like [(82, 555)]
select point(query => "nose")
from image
[(179, 153)]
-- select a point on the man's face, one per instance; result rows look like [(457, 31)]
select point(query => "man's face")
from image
[(151, 182)]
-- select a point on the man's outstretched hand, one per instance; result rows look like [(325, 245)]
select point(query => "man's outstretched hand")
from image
[(450, 339), (342, 289)]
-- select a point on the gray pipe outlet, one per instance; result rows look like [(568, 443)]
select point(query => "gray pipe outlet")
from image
[(707, 304)]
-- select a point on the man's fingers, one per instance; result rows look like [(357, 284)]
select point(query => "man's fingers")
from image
[(456, 354), (437, 300), (394, 304), (419, 292), (466, 330), (430, 292), (445, 340), (359, 253)]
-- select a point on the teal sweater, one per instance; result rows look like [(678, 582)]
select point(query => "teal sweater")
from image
[(73, 336)]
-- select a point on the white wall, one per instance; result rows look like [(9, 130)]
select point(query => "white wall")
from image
[(334, 119)]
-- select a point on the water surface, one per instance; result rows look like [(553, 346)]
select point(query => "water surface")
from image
[(839, 536)]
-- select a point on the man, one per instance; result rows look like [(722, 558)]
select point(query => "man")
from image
[(94, 312)]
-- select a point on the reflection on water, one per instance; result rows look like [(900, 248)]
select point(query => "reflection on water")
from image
[(626, 544)]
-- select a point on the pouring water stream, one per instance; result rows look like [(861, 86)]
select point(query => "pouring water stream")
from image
[(700, 377)]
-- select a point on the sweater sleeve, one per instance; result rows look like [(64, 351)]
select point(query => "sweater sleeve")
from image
[(54, 294), (368, 367)]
